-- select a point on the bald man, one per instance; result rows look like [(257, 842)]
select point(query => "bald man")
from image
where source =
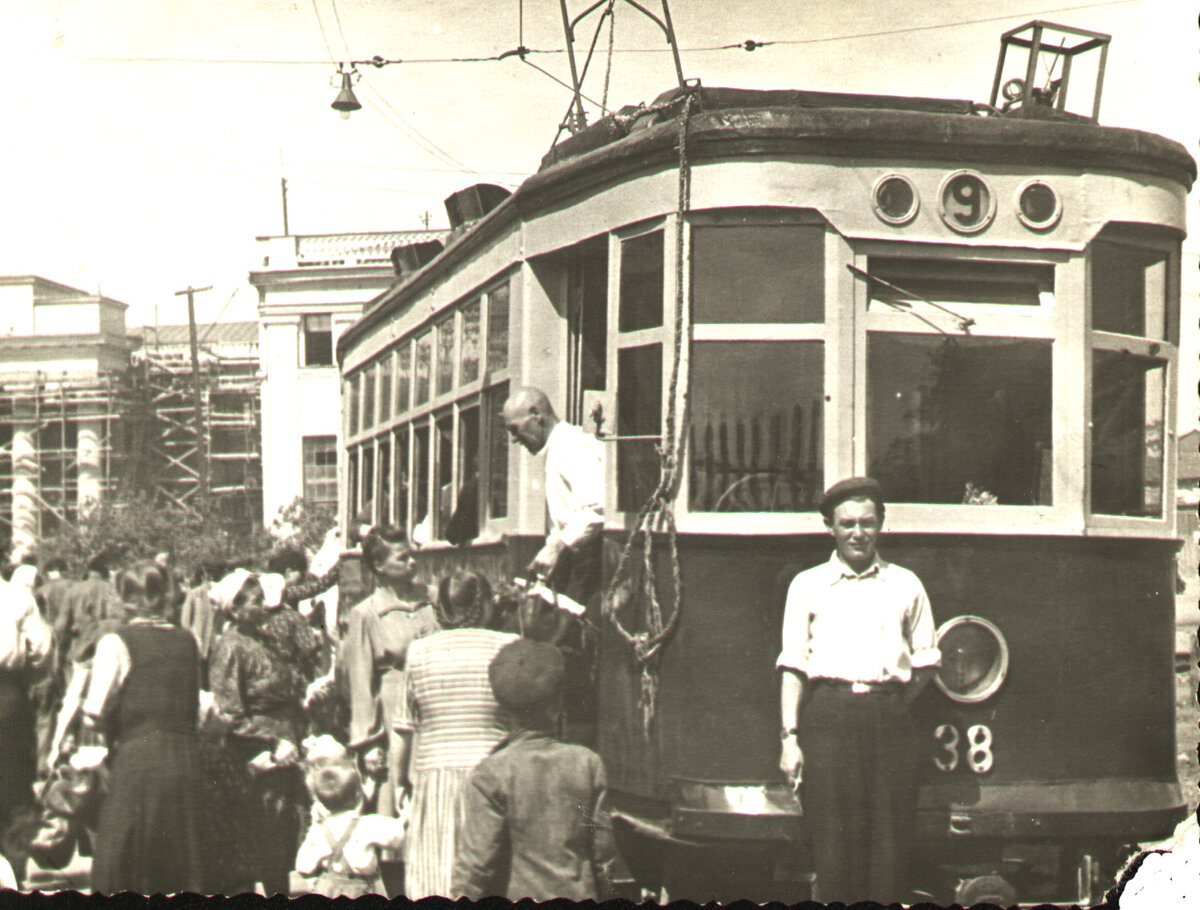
[(570, 558)]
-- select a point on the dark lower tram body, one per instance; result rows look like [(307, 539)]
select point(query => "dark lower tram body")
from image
[(1038, 787)]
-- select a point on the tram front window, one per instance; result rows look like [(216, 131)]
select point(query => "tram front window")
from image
[(756, 428), (1128, 395), (960, 419)]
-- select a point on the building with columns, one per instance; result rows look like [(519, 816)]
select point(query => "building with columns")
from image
[(310, 289)]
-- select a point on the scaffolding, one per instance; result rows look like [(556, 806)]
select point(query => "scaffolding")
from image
[(68, 441)]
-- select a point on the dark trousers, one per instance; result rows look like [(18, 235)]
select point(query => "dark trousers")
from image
[(577, 575), (859, 792)]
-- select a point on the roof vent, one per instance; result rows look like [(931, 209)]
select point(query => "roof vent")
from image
[(411, 257), (473, 203)]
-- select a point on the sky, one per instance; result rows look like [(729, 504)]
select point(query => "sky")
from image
[(142, 142)]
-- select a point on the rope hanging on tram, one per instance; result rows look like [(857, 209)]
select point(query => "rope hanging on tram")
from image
[(658, 512)]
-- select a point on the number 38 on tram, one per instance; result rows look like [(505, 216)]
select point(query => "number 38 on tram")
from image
[(766, 292)]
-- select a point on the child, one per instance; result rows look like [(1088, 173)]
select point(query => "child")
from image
[(339, 856), (534, 822)]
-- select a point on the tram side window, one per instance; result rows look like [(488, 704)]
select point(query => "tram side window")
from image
[(385, 482), (758, 273), (463, 525), (443, 490), (385, 386), (1129, 290), (445, 355), (1128, 401), (352, 484), (959, 419), (368, 409), (471, 337), (498, 452), (423, 365), (756, 431), (639, 413), (352, 403), (497, 329), (587, 324), (641, 282), (421, 483), (368, 481), (402, 477), (403, 377)]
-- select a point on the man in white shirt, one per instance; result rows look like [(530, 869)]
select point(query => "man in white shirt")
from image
[(570, 558), (858, 647)]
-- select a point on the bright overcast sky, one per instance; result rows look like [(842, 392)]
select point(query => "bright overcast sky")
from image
[(137, 162)]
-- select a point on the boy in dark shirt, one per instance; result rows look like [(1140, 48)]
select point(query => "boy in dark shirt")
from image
[(534, 821)]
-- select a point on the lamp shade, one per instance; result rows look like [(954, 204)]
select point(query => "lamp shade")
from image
[(345, 102)]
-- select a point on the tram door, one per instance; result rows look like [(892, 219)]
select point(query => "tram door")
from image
[(587, 332)]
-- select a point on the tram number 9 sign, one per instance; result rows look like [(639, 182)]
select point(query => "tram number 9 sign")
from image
[(965, 202), (954, 747)]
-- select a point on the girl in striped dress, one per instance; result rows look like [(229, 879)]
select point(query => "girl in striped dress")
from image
[(457, 723)]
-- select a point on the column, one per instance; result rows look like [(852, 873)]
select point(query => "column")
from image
[(89, 457), (24, 488)]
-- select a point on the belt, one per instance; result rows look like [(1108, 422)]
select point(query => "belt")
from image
[(862, 688)]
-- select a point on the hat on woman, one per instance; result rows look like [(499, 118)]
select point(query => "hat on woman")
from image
[(527, 674)]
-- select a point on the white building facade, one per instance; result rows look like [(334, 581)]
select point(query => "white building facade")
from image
[(310, 289)]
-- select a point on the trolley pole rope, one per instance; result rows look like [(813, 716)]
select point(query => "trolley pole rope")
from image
[(658, 511)]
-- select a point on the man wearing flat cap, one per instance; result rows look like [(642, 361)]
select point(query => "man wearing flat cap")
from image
[(858, 647)]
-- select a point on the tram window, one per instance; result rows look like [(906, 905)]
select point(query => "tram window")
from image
[(385, 482), (385, 386), (1128, 397), (353, 385), (423, 365), (352, 484), (445, 355), (587, 316), (959, 419), (469, 359), (368, 481), (756, 428), (420, 479), (444, 473), (642, 282), (761, 273), (639, 413), (960, 281), (497, 453), (403, 377), (497, 330), (402, 477), (1129, 290), (368, 410), (463, 525)]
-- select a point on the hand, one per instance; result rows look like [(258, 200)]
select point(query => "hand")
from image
[(543, 564), (87, 758), (791, 762), (373, 761), (403, 799), (285, 753)]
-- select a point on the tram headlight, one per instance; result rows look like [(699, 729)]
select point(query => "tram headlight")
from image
[(974, 659)]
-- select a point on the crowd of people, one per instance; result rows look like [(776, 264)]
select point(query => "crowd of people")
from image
[(232, 734)]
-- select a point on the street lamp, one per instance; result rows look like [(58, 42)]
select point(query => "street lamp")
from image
[(345, 103)]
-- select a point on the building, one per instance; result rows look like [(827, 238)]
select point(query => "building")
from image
[(310, 288), (90, 410)]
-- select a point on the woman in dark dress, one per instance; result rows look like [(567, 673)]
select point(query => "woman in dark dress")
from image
[(143, 699), (258, 690)]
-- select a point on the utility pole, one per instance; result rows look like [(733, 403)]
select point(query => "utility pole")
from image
[(198, 417)]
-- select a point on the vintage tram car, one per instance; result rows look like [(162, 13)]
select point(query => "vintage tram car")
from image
[(773, 290)]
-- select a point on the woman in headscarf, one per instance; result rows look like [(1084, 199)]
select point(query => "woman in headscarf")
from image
[(457, 722), (143, 700), (258, 691), (374, 652)]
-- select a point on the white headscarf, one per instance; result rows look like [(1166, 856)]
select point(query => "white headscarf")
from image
[(224, 591)]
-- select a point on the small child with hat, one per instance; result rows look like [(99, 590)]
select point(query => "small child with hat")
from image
[(533, 820), (340, 853)]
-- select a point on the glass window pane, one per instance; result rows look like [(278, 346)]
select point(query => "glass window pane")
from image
[(317, 342), (764, 273), (368, 411), (385, 386), (423, 365), (403, 377), (587, 318), (1128, 395), (445, 356), (352, 484), (402, 477), (639, 413), (959, 419), (469, 371), (1129, 290), (444, 485), (756, 430), (385, 481), (352, 405), (420, 474), (497, 332), (497, 453), (368, 481), (642, 282), (464, 523), (959, 281), (319, 457)]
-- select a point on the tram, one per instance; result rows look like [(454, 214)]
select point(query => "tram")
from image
[(761, 292)]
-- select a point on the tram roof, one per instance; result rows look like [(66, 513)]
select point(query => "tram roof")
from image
[(743, 123)]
